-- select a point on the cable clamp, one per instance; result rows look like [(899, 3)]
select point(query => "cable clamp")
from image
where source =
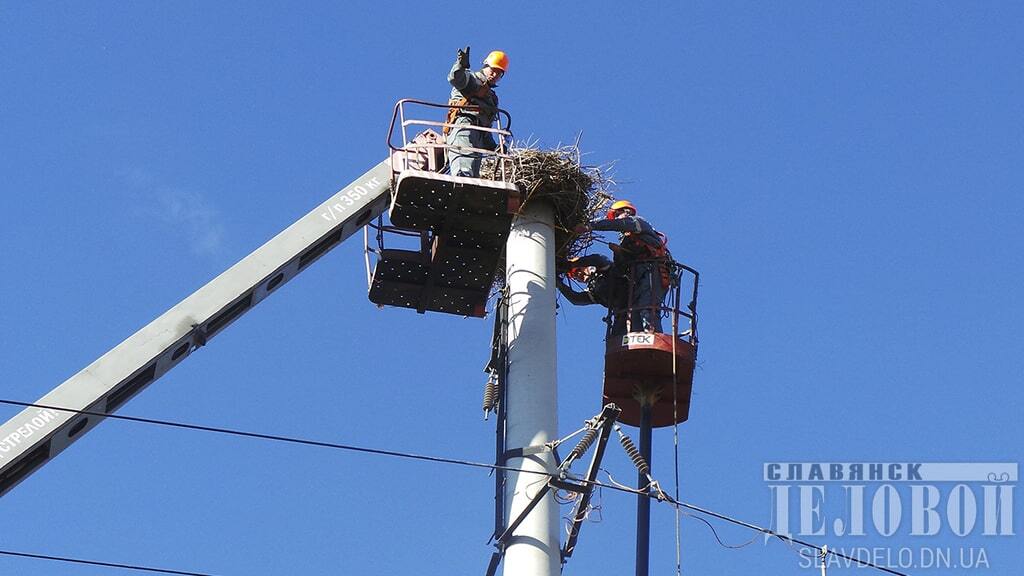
[(659, 494)]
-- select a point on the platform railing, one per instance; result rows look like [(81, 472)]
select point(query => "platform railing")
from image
[(401, 146), (683, 322), (502, 134)]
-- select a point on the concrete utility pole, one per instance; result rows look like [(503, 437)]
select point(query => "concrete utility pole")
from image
[(532, 397)]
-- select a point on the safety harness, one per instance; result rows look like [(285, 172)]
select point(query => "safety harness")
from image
[(454, 112), (646, 251)]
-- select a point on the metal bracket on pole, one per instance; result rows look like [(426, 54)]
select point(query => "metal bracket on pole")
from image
[(498, 364), (500, 539), (599, 428), (609, 414), (523, 452)]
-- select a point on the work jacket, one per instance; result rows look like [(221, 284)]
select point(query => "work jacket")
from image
[(638, 240), (473, 87)]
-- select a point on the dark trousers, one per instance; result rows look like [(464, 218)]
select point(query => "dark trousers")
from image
[(645, 305)]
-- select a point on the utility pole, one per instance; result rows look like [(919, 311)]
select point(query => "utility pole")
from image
[(643, 503), (532, 395)]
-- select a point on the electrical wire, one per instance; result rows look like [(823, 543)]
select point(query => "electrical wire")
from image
[(783, 537), (570, 498), (715, 532), (675, 432), (560, 441), (622, 487), (65, 559), (277, 438), (592, 509), (596, 508), (656, 495)]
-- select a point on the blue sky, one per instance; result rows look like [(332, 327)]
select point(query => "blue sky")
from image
[(845, 176)]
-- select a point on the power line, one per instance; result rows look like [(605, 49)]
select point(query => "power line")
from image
[(658, 495), (715, 532), (789, 539), (65, 559), (274, 437)]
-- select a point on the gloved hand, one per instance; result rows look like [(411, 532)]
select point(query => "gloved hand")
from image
[(581, 229), (463, 58)]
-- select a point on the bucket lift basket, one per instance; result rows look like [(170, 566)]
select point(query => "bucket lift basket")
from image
[(457, 225), (655, 365)]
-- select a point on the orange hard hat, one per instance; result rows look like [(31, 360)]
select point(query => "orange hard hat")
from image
[(497, 59), (580, 273), (620, 205), (576, 272)]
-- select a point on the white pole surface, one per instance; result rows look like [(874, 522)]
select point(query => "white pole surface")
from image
[(532, 410)]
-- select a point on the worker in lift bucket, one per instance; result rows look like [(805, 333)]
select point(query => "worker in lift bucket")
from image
[(476, 89), (601, 286), (642, 257)]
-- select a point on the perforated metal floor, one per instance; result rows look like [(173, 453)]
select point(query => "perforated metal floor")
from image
[(458, 281), (430, 201), (470, 219)]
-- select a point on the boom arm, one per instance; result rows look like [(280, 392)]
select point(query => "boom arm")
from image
[(36, 435)]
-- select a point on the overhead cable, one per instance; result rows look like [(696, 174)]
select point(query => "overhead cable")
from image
[(273, 437), (657, 494), (64, 559), (789, 539)]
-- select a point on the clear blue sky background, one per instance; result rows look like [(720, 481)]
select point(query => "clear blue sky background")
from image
[(845, 175)]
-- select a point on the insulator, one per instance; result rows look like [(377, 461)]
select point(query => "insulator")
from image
[(490, 394), (581, 447), (634, 455)]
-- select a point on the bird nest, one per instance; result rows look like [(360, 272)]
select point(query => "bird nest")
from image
[(578, 193)]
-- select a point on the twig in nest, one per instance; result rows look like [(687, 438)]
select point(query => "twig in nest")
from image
[(578, 193)]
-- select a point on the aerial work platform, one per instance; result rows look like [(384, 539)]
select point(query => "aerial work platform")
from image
[(461, 223), (452, 280), (654, 370), (430, 201), (640, 364)]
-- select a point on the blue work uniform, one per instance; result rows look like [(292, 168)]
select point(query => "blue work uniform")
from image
[(472, 89), (638, 241)]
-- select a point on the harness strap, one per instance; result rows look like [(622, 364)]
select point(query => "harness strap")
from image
[(660, 253), (480, 93)]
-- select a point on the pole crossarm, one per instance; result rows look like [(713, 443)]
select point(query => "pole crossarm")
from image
[(598, 428), (605, 422)]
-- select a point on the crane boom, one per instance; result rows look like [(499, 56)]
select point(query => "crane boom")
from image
[(36, 435)]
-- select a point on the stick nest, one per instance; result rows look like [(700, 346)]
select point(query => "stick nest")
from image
[(578, 193)]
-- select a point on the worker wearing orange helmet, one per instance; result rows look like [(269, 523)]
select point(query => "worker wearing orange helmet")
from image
[(471, 88), (601, 285), (642, 255)]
